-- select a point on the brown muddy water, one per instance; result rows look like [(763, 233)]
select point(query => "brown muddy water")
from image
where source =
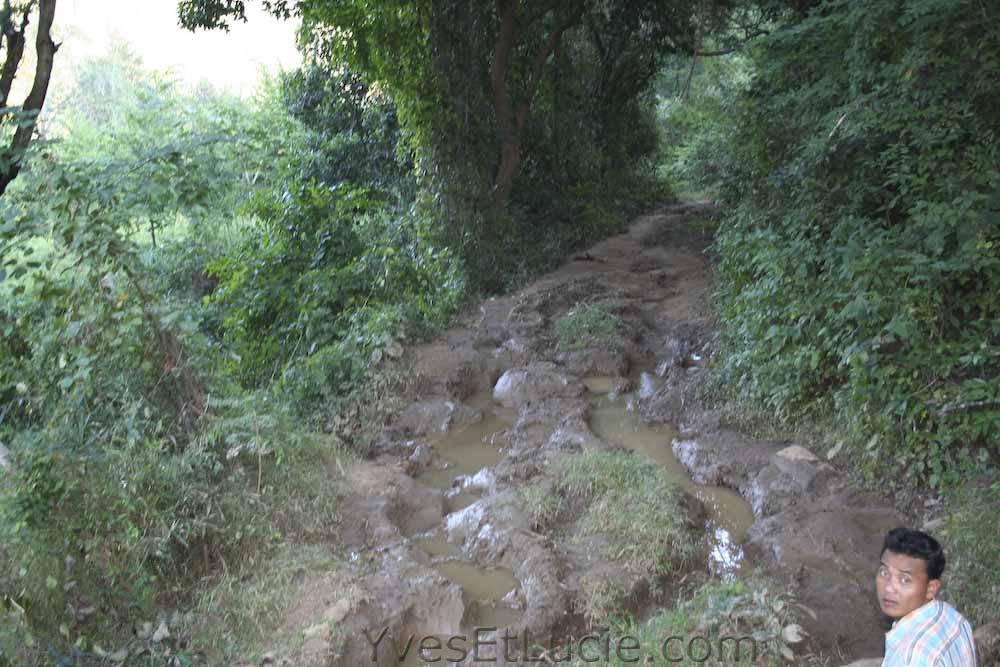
[(729, 514), (470, 448)]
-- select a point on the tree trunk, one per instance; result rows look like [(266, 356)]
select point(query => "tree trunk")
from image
[(15, 50), (46, 51), (511, 123), (510, 161)]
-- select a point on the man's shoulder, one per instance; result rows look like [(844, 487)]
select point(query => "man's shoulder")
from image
[(952, 615), (955, 645)]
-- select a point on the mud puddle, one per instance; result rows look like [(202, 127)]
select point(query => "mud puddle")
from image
[(483, 593), (730, 516), (468, 449), (491, 584), (435, 545)]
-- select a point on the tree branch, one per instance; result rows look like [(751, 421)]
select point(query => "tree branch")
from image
[(45, 49), (540, 59), (971, 406), (507, 11), (15, 50)]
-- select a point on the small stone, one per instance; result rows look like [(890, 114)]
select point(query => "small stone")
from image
[(797, 453), (161, 633), (321, 630), (933, 525), (338, 611), (648, 385), (422, 455), (267, 658)]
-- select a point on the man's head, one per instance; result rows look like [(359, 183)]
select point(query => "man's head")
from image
[(909, 574)]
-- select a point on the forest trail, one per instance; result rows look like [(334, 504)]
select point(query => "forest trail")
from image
[(434, 535)]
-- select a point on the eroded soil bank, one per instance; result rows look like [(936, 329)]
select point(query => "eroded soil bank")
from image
[(436, 537)]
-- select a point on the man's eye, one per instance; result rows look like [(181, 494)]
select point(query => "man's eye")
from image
[(904, 580)]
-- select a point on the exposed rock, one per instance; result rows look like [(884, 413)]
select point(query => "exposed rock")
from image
[(492, 327), (4, 459), (673, 353), (423, 455), (648, 384), (514, 352), (533, 383), (437, 416), (484, 480), (988, 644), (797, 453), (700, 465), (594, 361), (338, 612)]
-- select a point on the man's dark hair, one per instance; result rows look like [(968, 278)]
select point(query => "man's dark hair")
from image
[(916, 544)]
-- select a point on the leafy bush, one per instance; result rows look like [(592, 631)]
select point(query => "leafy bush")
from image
[(326, 279), (130, 454), (696, 130), (859, 271)]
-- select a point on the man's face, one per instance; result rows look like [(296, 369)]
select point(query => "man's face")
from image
[(902, 584)]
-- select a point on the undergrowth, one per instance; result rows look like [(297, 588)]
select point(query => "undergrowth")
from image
[(719, 623)]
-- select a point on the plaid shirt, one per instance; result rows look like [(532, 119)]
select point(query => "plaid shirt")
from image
[(934, 635)]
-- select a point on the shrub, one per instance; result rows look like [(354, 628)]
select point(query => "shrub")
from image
[(859, 270)]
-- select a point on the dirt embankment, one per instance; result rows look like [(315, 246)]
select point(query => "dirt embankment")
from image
[(437, 535)]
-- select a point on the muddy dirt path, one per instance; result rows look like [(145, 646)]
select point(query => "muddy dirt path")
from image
[(435, 534)]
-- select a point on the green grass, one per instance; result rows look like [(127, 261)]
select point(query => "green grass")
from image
[(972, 544), (213, 553), (635, 509), (237, 615), (724, 613), (541, 504), (591, 325)]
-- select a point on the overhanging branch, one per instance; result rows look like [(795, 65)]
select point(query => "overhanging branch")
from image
[(45, 50)]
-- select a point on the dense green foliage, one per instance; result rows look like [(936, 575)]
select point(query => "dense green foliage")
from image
[(130, 441), (579, 120), (860, 268), (186, 276), (192, 285)]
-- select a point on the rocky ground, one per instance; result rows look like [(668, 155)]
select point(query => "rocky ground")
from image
[(413, 526)]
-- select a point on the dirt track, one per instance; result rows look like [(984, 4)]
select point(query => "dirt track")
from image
[(412, 525)]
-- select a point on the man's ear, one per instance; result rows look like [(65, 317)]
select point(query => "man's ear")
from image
[(933, 588)]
